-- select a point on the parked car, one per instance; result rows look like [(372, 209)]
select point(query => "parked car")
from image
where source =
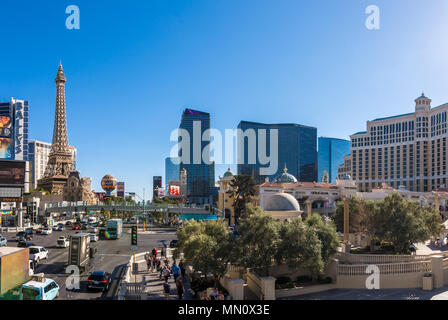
[(46, 289), (39, 230), (38, 253), (173, 243), (62, 242), (25, 244), (47, 231), (3, 242), (29, 230), (59, 227), (68, 223), (76, 227), (84, 227), (93, 237), (93, 230), (98, 280)]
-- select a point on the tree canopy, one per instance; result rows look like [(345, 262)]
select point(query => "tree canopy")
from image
[(243, 190), (392, 219)]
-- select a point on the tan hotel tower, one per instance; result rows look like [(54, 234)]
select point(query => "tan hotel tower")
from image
[(406, 150)]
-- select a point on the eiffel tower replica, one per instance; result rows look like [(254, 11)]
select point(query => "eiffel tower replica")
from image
[(60, 161)]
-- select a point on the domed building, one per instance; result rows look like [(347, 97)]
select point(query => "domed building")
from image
[(282, 206), (285, 177)]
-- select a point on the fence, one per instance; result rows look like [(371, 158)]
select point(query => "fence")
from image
[(390, 268), (355, 259)]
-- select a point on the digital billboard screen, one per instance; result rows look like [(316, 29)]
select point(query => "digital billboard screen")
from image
[(120, 189), (174, 190), (5, 126), (12, 173), (6, 148)]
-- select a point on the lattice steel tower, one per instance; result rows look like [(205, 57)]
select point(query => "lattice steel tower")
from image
[(60, 161)]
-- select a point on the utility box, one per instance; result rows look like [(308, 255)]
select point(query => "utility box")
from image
[(427, 282)]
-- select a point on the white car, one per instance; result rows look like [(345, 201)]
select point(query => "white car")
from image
[(93, 237), (93, 230), (62, 242), (38, 253), (47, 231)]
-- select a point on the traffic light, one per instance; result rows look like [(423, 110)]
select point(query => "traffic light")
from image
[(134, 236)]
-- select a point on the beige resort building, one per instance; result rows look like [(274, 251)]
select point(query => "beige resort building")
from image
[(406, 150)]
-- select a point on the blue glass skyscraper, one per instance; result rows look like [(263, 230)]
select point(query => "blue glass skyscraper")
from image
[(200, 175), (297, 150), (331, 154), (171, 170)]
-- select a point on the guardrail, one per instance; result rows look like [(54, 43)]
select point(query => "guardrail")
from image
[(390, 268)]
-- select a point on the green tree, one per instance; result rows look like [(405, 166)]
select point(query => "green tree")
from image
[(207, 246), (243, 191), (356, 215), (405, 221), (327, 235), (300, 246), (257, 244)]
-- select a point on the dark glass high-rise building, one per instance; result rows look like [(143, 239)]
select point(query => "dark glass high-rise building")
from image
[(200, 175), (297, 150), (171, 170), (156, 184), (331, 154)]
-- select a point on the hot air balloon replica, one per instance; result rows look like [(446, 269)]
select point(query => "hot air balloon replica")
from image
[(109, 183)]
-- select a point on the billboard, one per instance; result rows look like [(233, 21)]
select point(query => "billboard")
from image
[(174, 190), (12, 173), (6, 148), (160, 192), (120, 189), (5, 126)]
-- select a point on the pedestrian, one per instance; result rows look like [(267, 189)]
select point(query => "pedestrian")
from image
[(180, 287), (214, 294), (154, 252), (166, 273), (166, 289), (162, 253), (175, 270), (182, 268), (148, 262)]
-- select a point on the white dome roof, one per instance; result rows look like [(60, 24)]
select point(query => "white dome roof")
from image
[(281, 202)]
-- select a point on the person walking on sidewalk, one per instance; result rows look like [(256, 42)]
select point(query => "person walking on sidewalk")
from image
[(180, 287), (166, 273), (166, 289), (162, 253), (182, 268), (148, 262), (154, 252), (175, 270)]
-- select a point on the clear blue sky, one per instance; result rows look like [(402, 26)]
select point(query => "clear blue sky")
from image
[(135, 65)]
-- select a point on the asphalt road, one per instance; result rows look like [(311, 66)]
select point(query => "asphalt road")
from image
[(110, 255)]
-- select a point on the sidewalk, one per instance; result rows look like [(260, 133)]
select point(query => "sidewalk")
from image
[(154, 285)]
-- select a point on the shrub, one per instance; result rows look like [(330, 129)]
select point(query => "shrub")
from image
[(304, 279), (282, 280), (324, 280)]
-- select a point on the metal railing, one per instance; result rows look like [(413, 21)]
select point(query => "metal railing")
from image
[(351, 259), (390, 268)]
